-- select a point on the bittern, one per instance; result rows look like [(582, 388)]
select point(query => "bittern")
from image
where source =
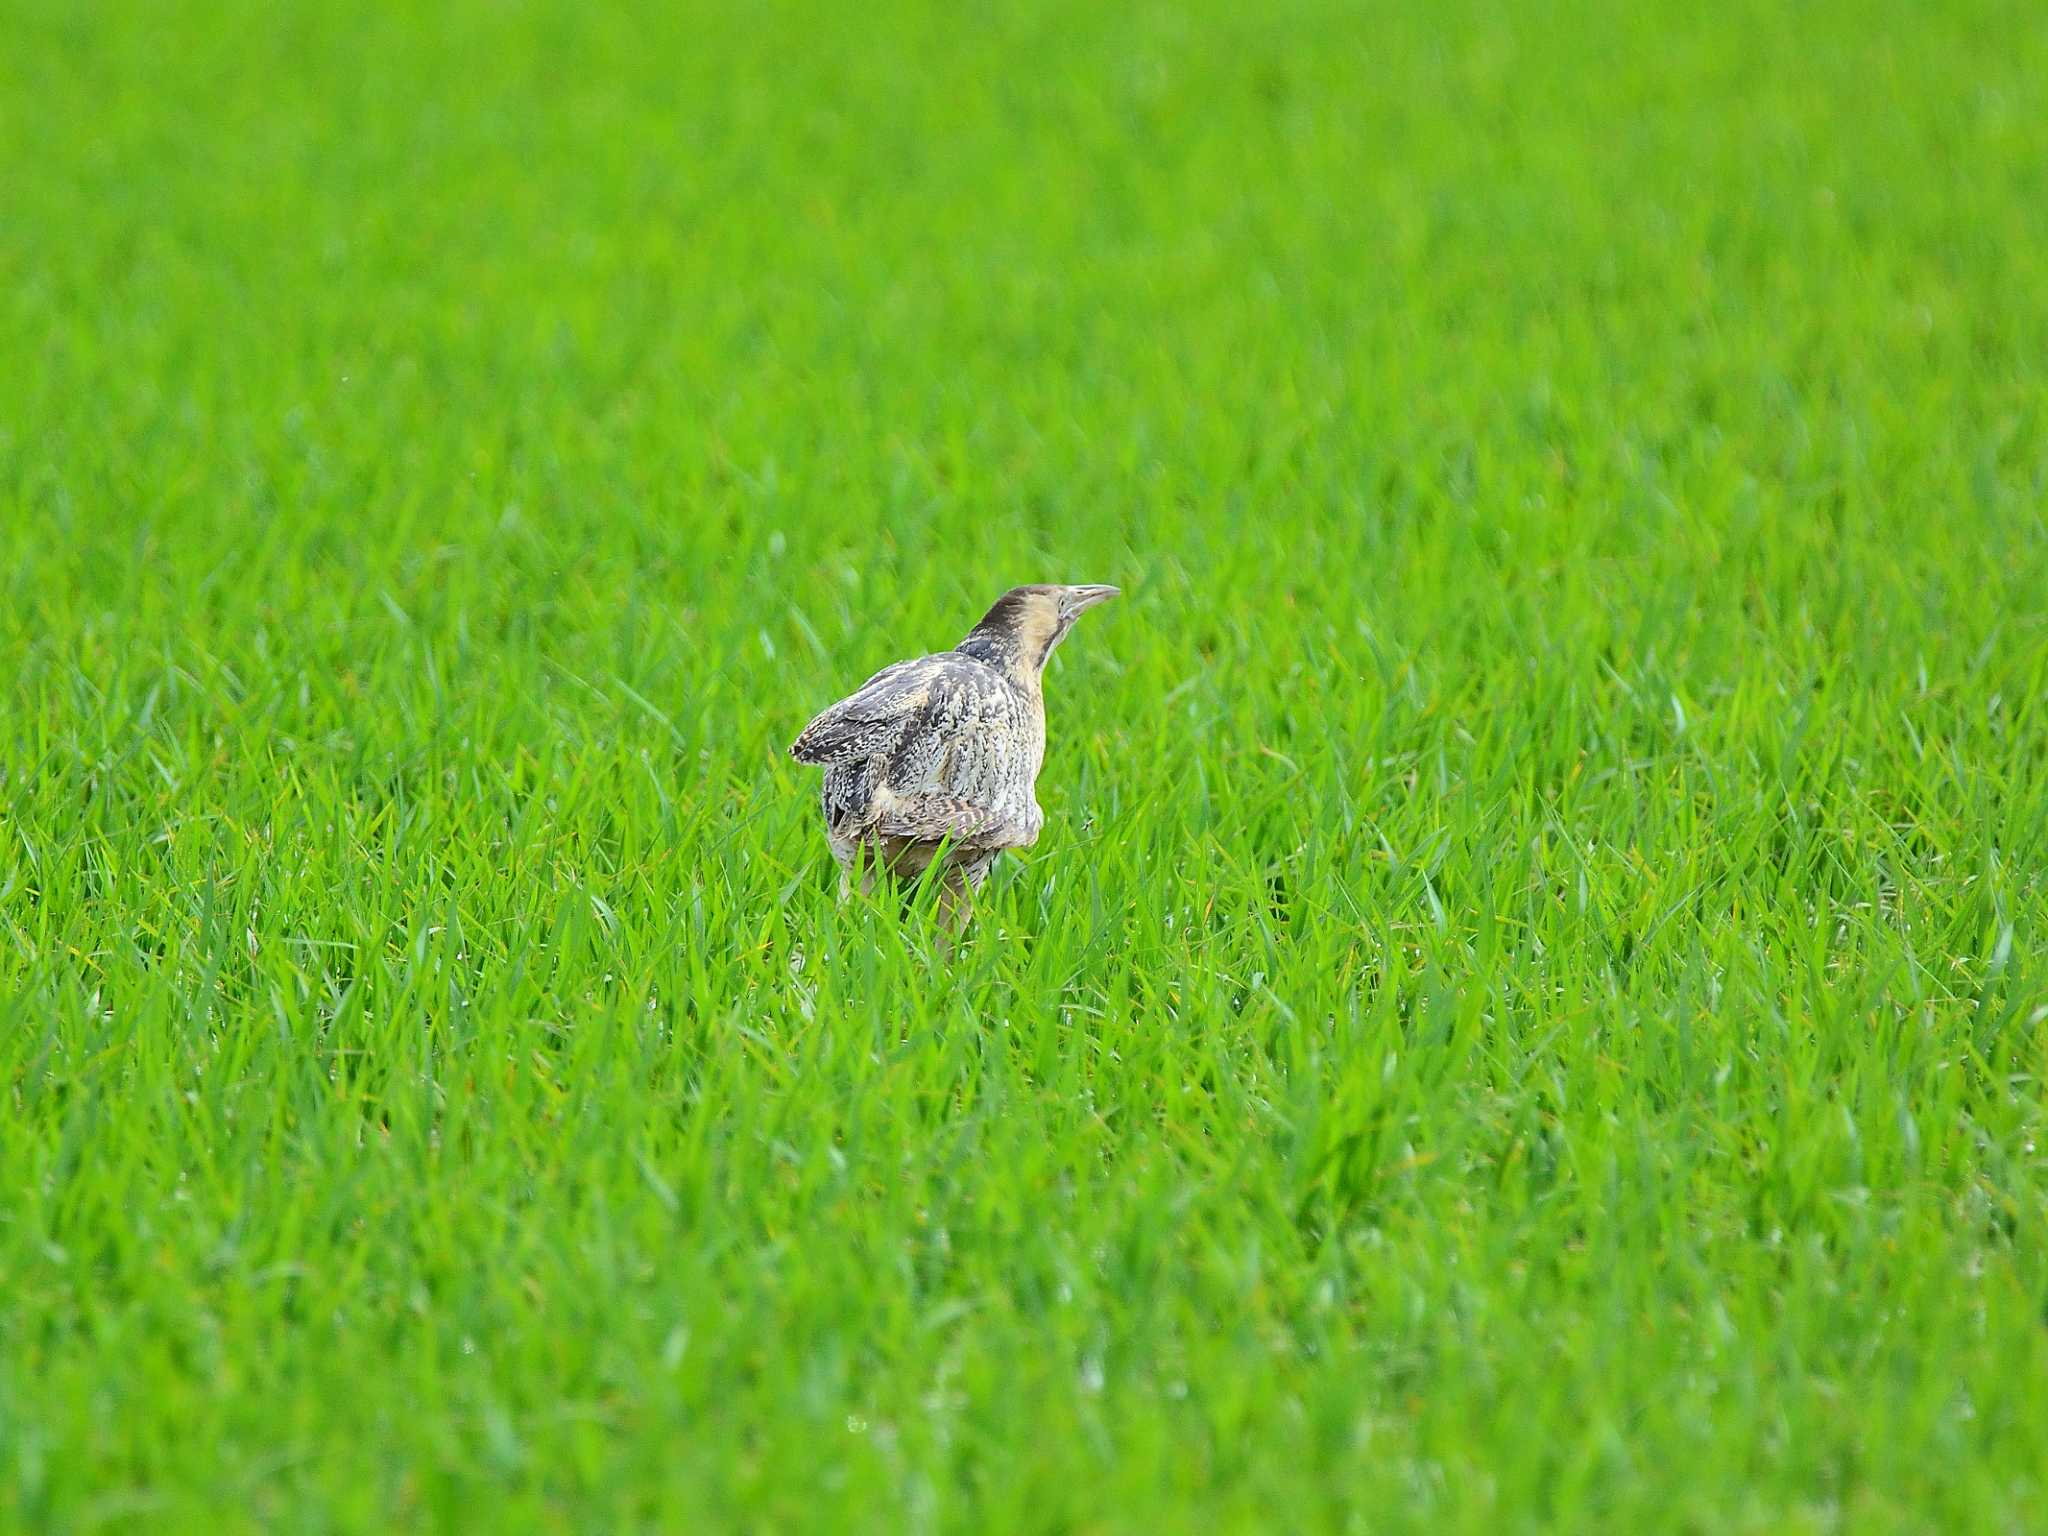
[(938, 758)]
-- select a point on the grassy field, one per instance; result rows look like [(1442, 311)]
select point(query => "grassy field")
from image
[(1530, 1008)]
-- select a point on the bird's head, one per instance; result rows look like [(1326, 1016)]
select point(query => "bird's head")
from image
[(1026, 623)]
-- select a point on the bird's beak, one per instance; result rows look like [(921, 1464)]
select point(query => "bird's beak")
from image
[(1080, 599)]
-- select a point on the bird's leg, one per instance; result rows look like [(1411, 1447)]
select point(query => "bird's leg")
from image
[(956, 908), (858, 871)]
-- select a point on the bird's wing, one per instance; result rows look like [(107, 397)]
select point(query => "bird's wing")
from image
[(929, 818), (873, 720), (957, 772), (910, 724)]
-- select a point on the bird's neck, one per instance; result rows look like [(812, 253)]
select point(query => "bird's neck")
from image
[(1022, 662), (1015, 639)]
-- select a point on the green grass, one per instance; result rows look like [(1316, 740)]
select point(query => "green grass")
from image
[(1528, 1011)]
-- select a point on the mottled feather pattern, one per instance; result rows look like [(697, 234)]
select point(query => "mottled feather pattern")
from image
[(941, 747), (866, 721), (928, 818), (939, 757)]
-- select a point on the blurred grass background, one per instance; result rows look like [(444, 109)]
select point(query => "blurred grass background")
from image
[(1528, 1011)]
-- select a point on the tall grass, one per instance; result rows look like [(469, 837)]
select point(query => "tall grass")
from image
[(1529, 1009)]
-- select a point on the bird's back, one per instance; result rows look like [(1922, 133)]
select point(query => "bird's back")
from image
[(944, 725)]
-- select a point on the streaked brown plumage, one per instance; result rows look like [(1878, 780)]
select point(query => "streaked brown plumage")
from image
[(939, 757)]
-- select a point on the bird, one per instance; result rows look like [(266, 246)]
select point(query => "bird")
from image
[(938, 758)]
